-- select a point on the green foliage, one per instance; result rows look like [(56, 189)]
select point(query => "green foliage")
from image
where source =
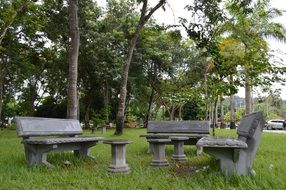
[(191, 111), (188, 74), (98, 119), (239, 113), (51, 107)]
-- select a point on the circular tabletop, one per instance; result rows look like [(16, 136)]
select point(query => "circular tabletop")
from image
[(159, 140), (117, 141), (177, 138)]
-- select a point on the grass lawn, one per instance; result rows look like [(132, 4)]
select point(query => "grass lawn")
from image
[(200, 172)]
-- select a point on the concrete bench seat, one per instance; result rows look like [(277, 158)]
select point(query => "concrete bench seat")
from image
[(164, 135), (236, 156), (39, 138), (221, 142), (193, 129), (61, 140)]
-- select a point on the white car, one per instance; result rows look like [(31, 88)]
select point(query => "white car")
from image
[(275, 124)]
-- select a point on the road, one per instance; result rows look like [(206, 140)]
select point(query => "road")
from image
[(275, 131)]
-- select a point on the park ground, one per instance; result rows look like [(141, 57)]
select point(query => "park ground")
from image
[(199, 172)]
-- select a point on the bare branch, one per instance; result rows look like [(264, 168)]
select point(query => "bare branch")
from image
[(161, 2)]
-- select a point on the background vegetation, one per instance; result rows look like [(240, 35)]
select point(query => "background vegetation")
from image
[(170, 77)]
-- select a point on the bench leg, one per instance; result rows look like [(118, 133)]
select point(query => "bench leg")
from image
[(151, 148), (232, 161), (84, 151), (36, 156), (199, 150)]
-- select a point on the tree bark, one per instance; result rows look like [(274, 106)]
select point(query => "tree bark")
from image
[(132, 43), (180, 112), (1, 88), (148, 115), (216, 113), (248, 95), (222, 125), (151, 98), (214, 117), (87, 115), (172, 113), (106, 101), (72, 106), (207, 115), (33, 97), (232, 112)]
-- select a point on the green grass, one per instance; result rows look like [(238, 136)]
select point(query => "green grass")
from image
[(200, 172)]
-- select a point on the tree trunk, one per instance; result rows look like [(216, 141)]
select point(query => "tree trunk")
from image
[(214, 117), (123, 87), (172, 113), (131, 46), (87, 115), (232, 112), (148, 115), (248, 95), (216, 114), (33, 98), (211, 113), (222, 125), (151, 98), (106, 102), (1, 88), (73, 60), (180, 112)]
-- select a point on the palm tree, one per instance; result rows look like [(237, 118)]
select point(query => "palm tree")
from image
[(251, 28)]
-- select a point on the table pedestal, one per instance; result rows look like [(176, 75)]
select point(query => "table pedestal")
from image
[(178, 142), (159, 152), (118, 153)]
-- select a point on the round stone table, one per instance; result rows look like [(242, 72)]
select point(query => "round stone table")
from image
[(118, 153), (159, 152)]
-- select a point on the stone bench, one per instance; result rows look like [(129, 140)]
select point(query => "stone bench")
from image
[(63, 135), (193, 129), (236, 155)]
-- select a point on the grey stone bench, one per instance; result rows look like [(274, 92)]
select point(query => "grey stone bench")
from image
[(63, 135), (193, 129), (236, 155)]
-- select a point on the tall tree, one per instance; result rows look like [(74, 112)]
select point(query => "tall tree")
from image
[(9, 11), (72, 106), (144, 17), (249, 27)]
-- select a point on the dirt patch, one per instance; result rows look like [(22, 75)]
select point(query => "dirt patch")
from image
[(186, 169)]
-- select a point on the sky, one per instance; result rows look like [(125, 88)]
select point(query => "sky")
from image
[(175, 9)]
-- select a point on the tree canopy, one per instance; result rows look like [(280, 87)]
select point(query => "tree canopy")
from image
[(169, 76)]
